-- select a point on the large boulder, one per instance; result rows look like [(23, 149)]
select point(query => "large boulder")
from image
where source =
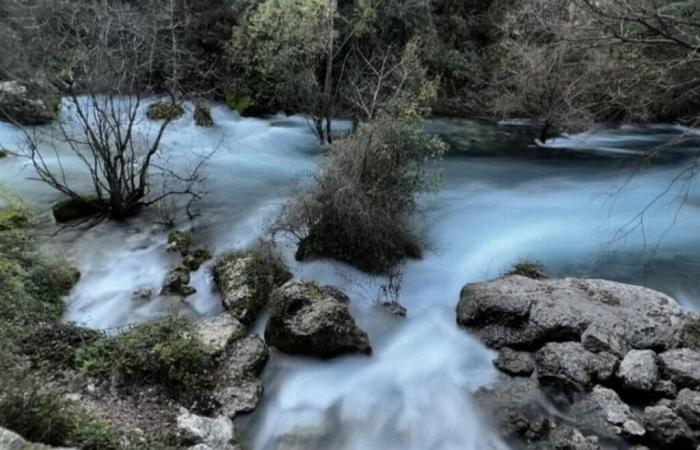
[(34, 102), (682, 366), (312, 320), (12, 441), (238, 390), (524, 313), (245, 282)]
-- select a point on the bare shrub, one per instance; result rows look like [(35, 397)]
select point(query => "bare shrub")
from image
[(360, 204)]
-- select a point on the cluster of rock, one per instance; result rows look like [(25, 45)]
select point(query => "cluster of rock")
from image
[(177, 281), (587, 364), (304, 318)]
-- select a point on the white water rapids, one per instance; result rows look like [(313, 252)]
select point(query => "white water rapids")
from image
[(571, 205)]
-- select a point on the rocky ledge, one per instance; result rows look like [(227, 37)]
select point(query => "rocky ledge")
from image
[(587, 364)]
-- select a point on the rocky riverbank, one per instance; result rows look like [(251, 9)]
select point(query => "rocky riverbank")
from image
[(587, 364)]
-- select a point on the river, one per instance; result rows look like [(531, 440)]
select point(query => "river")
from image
[(573, 205)]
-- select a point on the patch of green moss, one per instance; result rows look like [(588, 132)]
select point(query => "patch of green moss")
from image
[(236, 103), (689, 333), (165, 111), (163, 353), (179, 241), (202, 117), (3, 153), (264, 270), (71, 209), (12, 218)]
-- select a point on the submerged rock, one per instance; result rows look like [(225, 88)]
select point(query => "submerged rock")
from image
[(202, 116), (72, 209), (179, 241), (177, 282), (35, 102), (312, 320), (246, 281), (524, 313)]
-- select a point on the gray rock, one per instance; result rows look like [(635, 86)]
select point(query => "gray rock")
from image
[(394, 308), (688, 407), (524, 313), (237, 389), (216, 333), (177, 282), (604, 365), (312, 320), (516, 406), (666, 388), (566, 365), (682, 366), (568, 438), (245, 283), (638, 370), (217, 433), (598, 338), (667, 429), (514, 363), (35, 102), (10, 440), (604, 412)]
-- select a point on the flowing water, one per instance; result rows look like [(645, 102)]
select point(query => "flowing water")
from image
[(574, 204)]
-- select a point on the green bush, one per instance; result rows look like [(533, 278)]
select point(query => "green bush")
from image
[(236, 103), (163, 353), (202, 116), (40, 412), (529, 269), (165, 111)]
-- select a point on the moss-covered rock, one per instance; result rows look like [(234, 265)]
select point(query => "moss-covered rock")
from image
[(3, 153), (202, 117), (246, 280), (72, 209), (179, 241), (165, 111)]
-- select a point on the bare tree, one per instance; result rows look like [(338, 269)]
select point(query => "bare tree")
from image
[(117, 49)]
